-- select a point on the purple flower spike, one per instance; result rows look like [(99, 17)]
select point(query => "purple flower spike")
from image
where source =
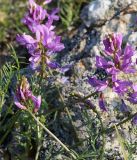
[(121, 61), (117, 65), (44, 43), (24, 94)]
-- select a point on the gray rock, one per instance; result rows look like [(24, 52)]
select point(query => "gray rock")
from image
[(100, 11), (96, 12)]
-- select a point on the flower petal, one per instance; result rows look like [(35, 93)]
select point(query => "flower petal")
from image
[(98, 84), (102, 103), (37, 102)]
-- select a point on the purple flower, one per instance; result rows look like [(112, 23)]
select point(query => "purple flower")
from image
[(102, 103), (119, 60), (18, 104), (121, 87), (25, 40), (132, 97), (44, 37), (52, 64), (89, 103), (49, 39), (44, 43), (117, 64), (112, 43), (98, 84), (24, 94), (127, 65), (37, 102), (35, 60), (123, 106), (55, 45), (107, 65), (35, 15), (52, 17), (134, 120)]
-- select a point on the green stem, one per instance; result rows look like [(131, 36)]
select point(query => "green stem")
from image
[(103, 135), (111, 129), (99, 117), (52, 135), (102, 129), (67, 111), (90, 95), (43, 66), (38, 142)]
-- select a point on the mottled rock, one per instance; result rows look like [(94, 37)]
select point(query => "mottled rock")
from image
[(100, 11), (96, 12)]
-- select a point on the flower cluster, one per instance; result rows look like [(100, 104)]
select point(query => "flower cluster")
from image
[(117, 64), (44, 43), (24, 94)]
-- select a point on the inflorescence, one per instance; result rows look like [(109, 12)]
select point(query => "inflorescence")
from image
[(24, 95), (117, 64), (44, 43)]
